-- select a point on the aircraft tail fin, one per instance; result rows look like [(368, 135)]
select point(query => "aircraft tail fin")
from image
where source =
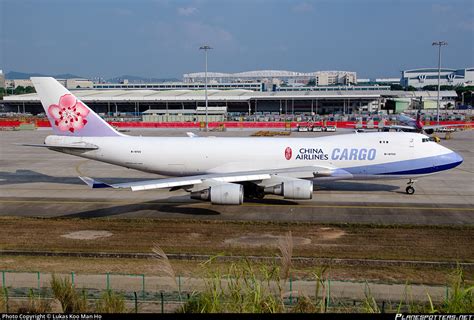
[(419, 123), (68, 115)]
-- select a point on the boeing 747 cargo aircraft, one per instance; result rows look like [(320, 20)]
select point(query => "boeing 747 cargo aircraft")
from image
[(224, 170)]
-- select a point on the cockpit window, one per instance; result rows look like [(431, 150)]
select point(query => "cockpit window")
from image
[(426, 140)]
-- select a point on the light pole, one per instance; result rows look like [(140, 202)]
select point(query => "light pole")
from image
[(205, 48), (439, 44)]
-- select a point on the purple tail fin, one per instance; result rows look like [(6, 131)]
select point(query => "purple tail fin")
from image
[(67, 114)]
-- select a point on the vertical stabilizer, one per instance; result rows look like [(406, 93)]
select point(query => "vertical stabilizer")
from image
[(68, 115), (419, 123)]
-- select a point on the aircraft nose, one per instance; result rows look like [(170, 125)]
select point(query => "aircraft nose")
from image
[(456, 158)]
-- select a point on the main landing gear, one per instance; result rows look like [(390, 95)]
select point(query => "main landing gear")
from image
[(410, 189), (252, 191)]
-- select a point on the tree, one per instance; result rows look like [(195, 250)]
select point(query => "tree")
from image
[(434, 87), (311, 82), (396, 87), (467, 93), (19, 90), (410, 88), (460, 89), (30, 89), (430, 88)]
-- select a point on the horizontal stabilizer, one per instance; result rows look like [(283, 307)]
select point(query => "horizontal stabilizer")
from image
[(81, 145), (94, 184)]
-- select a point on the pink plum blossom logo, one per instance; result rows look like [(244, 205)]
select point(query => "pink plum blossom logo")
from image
[(288, 153), (70, 114)]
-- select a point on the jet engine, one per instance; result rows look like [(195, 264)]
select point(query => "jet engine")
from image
[(293, 189), (227, 193), (429, 131)]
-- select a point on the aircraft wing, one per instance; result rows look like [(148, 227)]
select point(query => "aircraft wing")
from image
[(216, 178), (398, 127), (438, 126)]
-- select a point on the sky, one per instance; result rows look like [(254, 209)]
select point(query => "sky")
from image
[(161, 38)]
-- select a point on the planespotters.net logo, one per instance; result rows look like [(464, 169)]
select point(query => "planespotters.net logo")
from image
[(400, 316), (288, 153)]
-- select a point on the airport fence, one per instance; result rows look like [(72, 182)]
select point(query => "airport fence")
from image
[(164, 294)]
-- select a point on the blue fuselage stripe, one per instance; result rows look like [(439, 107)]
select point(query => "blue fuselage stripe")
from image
[(426, 170), (409, 167)]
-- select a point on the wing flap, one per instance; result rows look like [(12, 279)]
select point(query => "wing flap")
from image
[(161, 185), (443, 126), (243, 178), (398, 127)]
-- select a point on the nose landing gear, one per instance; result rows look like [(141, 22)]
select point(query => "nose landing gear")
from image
[(409, 189)]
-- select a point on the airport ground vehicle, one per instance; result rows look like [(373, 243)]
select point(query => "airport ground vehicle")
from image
[(317, 129)]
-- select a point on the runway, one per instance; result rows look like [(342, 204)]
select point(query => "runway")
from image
[(39, 182)]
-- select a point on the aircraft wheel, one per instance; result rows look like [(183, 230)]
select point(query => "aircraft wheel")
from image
[(410, 190)]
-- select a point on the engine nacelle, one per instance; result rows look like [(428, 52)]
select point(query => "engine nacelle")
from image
[(227, 193), (293, 189), (429, 131)]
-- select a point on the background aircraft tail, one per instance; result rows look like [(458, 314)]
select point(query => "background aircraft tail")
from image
[(67, 114), (419, 122)]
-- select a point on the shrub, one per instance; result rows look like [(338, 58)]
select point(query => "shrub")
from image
[(111, 302), (71, 301), (461, 296), (3, 300), (35, 304)]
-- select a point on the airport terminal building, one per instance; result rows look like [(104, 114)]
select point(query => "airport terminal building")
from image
[(276, 77), (419, 78), (239, 102)]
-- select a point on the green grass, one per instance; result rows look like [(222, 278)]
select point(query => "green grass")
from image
[(248, 287), (245, 288), (110, 302), (461, 296)]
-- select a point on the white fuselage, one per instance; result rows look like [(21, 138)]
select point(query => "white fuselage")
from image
[(357, 156)]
